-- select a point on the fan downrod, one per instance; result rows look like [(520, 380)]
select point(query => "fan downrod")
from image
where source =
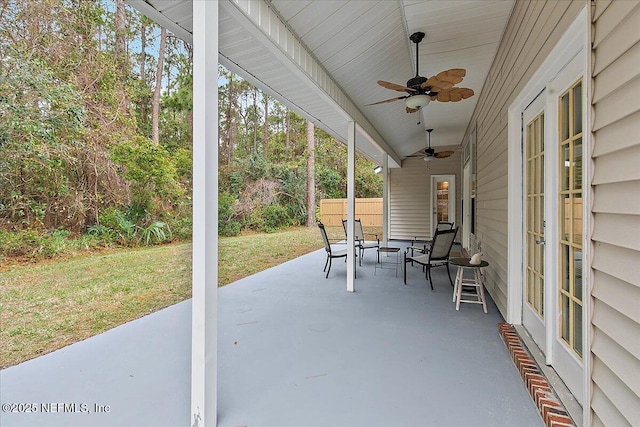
[(416, 81)]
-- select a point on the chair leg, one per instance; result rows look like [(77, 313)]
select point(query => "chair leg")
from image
[(449, 272), (325, 263), (429, 273), (327, 276), (404, 259)]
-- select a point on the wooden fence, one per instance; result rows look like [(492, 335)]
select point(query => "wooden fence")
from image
[(369, 211)]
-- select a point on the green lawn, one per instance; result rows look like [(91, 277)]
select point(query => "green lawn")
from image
[(54, 303)]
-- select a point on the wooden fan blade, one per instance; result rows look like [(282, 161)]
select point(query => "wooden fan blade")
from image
[(443, 154), (410, 110), (387, 100), (443, 96), (460, 72), (455, 96), (451, 76), (466, 92), (394, 86), (431, 82), (436, 84)]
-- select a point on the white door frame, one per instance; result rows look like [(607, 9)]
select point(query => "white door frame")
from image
[(452, 197), (575, 41), (466, 205), (570, 44)]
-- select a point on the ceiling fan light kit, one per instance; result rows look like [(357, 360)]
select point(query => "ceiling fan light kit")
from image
[(416, 102)]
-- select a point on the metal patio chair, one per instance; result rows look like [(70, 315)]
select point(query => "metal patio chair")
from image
[(361, 242), (426, 242), (331, 251), (436, 256)]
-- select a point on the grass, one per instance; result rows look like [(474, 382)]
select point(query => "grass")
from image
[(50, 305), (53, 303)]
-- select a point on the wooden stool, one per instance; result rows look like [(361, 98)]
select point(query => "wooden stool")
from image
[(477, 282)]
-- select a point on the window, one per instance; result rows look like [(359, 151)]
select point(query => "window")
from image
[(571, 185)]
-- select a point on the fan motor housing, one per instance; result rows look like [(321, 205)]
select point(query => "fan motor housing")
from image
[(415, 82)]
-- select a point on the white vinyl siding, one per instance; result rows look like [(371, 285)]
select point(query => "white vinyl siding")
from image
[(615, 294), (410, 194), (533, 30)]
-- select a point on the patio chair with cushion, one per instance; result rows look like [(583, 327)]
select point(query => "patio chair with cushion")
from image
[(437, 254), (331, 251), (361, 242), (426, 242)]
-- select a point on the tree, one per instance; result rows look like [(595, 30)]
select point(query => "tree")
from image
[(120, 53), (156, 92), (311, 180), (265, 128)]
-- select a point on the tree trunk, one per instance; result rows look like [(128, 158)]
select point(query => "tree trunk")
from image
[(255, 120), (143, 70), (265, 129), (120, 51), (287, 132), (230, 122), (120, 42), (311, 176), (156, 92)]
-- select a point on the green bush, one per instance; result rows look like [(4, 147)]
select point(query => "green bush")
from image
[(150, 170), (229, 228), (32, 245), (228, 225), (153, 233), (101, 232), (274, 217), (181, 228), (18, 243), (54, 243)]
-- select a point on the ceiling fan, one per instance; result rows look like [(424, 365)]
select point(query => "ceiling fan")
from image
[(420, 90), (429, 153)]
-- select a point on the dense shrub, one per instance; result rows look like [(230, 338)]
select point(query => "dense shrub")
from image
[(274, 217), (227, 223)]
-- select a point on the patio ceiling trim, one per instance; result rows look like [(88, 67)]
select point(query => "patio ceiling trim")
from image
[(266, 25), (159, 17)]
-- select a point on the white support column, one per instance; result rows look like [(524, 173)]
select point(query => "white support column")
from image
[(351, 204), (204, 315), (385, 199)]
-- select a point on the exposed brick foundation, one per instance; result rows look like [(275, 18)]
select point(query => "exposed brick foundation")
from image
[(551, 409)]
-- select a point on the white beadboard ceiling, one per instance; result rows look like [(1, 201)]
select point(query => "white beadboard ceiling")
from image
[(356, 43)]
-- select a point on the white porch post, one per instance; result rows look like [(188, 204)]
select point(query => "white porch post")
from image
[(351, 202), (204, 334), (385, 199)]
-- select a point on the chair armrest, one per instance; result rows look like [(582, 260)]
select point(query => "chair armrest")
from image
[(421, 239), (372, 234)]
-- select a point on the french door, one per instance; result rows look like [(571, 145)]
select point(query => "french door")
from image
[(552, 286), (443, 199), (533, 292)]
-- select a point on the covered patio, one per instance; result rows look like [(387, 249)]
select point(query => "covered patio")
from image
[(294, 349)]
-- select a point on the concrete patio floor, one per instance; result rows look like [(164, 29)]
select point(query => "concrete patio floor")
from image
[(294, 349)]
